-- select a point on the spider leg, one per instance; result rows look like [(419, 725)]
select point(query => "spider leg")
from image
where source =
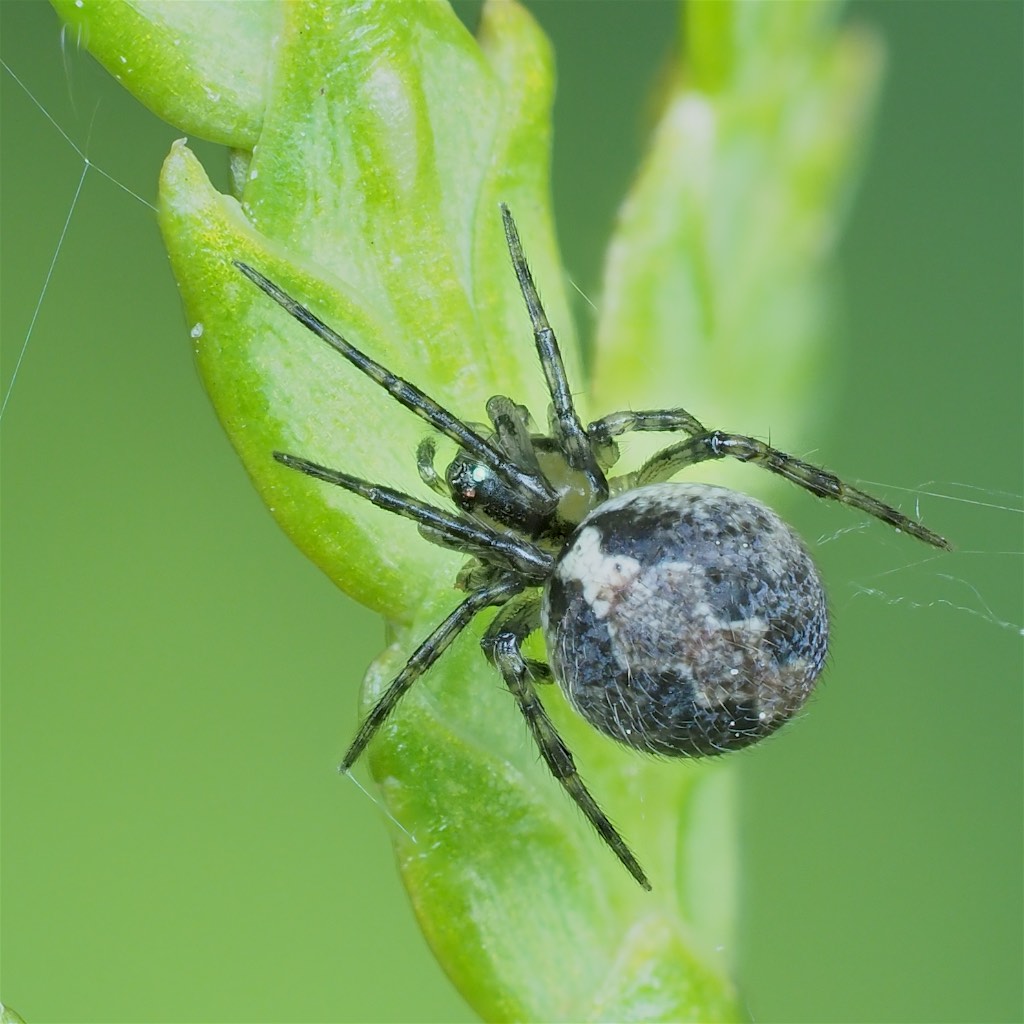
[(519, 555), (530, 486), (718, 445), (566, 424), (503, 646), (603, 430), (497, 592), (512, 431)]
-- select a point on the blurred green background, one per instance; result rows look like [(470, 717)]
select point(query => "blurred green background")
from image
[(176, 844)]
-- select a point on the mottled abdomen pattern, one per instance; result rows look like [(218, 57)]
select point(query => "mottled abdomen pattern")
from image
[(685, 619)]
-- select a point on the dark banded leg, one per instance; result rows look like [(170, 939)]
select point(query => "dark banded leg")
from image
[(441, 526), (718, 445), (530, 487), (603, 430), (424, 656), (566, 426), (502, 644)]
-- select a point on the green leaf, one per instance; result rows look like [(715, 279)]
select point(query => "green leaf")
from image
[(200, 67), (8, 1016), (530, 915), (355, 203), (372, 145)]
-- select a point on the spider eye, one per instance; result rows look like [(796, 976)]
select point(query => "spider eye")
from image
[(469, 482)]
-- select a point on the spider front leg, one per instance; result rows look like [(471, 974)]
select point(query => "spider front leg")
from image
[(503, 646), (441, 527), (719, 445), (565, 422), (496, 593), (602, 432), (614, 424)]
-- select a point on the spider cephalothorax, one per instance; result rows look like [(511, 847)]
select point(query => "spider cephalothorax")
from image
[(681, 619)]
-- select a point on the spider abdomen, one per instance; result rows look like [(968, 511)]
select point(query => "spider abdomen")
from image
[(685, 619)]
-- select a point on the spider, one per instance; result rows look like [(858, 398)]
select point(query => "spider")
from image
[(681, 619)]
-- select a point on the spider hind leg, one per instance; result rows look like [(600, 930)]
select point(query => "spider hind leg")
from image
[(716, 444), (497, 592), (502, 644)]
